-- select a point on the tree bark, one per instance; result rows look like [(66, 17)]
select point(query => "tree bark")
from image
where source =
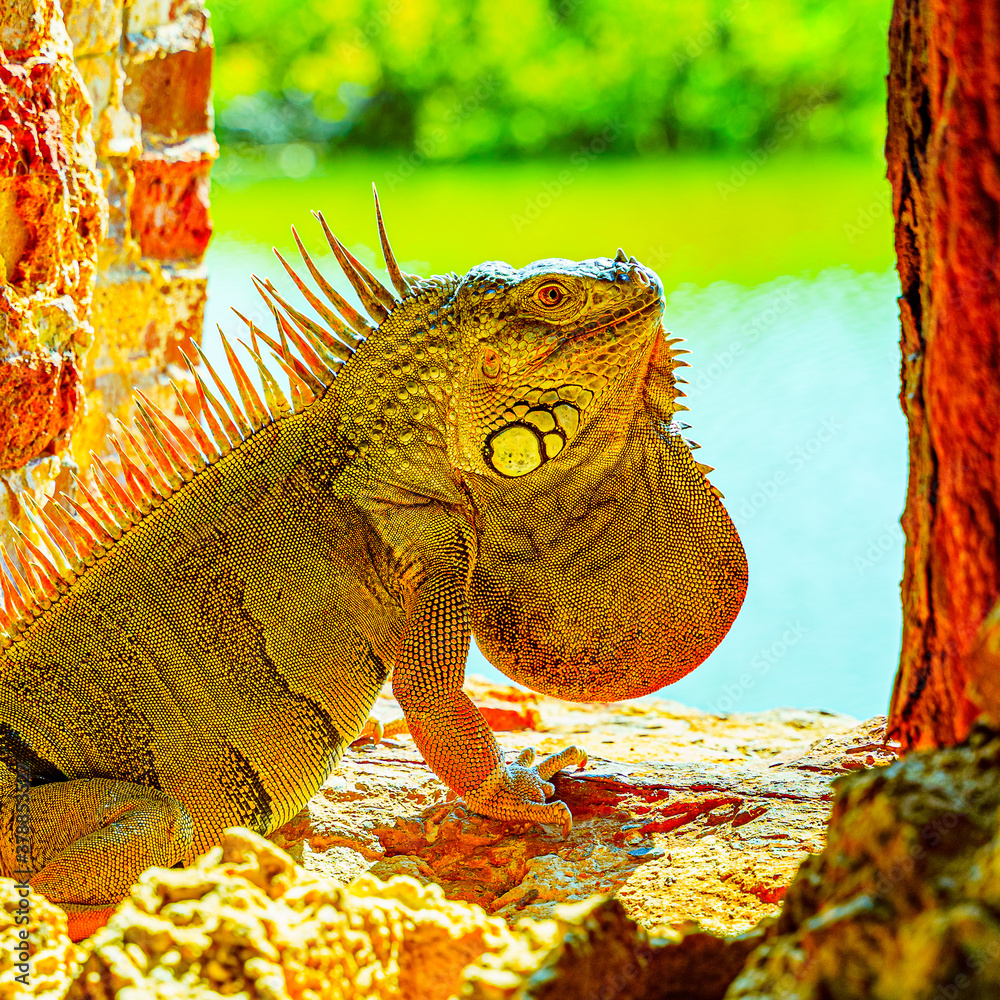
[(943, 153)]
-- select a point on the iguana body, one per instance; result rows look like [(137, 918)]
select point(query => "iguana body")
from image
[(495, 457)]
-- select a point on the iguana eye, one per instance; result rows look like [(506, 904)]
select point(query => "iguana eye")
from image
[(490, 363), (550, 294)]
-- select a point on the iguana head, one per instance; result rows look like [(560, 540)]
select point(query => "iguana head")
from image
[(607, 566), (547, 346)]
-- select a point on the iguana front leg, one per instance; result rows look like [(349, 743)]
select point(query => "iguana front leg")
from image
[(91, 839), (449, 730)]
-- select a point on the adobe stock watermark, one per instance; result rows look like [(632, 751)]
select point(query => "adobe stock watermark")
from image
[(227, 168), (761, 663), (656, 257), (777, 305), (429, 144), (366, 33), (974, 962), (868, 215), (698, 43), (795, 461), (787, 125), (929, 835), (889, 541), (23, 872), (579, 160)]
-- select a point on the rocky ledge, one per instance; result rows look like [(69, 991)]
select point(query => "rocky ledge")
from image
[(679, 814), (688, 827)]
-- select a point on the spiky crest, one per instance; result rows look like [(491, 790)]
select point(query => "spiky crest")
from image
[(663, 393), (161, 456)]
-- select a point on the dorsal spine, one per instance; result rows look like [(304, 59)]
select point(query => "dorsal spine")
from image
[(162, 457)]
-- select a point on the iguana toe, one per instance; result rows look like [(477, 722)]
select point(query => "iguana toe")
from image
[(557, 761), (372, 732), (518, 791)]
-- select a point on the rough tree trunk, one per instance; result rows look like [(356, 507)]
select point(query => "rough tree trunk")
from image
[(943, 152)]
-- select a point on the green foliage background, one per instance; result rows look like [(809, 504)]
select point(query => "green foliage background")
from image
[(455, 80)]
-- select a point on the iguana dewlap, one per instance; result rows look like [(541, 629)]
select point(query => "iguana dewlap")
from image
[(192, 648)]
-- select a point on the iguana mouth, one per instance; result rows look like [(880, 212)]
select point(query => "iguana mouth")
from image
[(609, 323), (642, 310), (590, 330)]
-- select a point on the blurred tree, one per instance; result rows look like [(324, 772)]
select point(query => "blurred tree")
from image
[(455, 79)]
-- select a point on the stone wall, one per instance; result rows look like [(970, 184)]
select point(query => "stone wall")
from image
[(106, 144)]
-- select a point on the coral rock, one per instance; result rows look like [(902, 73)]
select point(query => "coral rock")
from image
[(169, 212), (52, 215), (170, 76), (41, 393), (87, 187), (37, 958), (93, 25), (593, 949), (244, 919)]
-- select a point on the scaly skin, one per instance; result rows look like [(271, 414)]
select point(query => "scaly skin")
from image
[(496, 459)]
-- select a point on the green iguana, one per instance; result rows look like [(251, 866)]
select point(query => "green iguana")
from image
[(193, 647)]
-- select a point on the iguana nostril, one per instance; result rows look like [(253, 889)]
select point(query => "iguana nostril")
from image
[(640, 276)]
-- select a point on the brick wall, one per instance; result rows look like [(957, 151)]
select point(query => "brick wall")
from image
[(106, 144)]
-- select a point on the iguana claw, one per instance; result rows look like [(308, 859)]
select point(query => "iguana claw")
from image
[(518, 791), (372, 731)]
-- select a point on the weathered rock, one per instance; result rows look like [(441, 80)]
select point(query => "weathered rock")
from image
[(693, 819), (170, 218), (593, 949), (52, 215), (52, 218), (41, 392), (169, 71), (696, 827), (157, 313), (244, 919), (984, 674), (902, 904), (155, 149), (904, 901)]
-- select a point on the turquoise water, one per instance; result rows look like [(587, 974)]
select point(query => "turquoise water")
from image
[(793, 398)]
